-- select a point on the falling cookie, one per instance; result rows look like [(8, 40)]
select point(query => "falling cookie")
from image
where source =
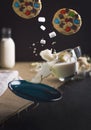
[(27, 8), (67, 21)]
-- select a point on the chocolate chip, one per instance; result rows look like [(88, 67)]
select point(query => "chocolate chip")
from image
[(76, 15), (61, 16), (71, 20), (22, 8), (36, 0), (21, 0), (31, 4), (62, 24), (74, 27), (67, 10), (34, 11)]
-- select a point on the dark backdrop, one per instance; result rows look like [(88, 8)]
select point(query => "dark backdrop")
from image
[(25, 32)]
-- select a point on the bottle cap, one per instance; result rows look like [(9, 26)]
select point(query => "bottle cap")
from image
[(6, 32)]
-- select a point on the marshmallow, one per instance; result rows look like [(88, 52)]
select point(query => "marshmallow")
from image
[(42, 41), (41, 19), (43, 27), (52, 34)]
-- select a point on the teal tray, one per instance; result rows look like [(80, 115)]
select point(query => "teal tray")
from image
[(34, 91)]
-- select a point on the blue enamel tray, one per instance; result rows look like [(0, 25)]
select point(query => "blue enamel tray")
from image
[(34, 91)]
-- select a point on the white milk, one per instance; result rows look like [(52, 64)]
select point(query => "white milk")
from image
[(7, 53), (64, 70)]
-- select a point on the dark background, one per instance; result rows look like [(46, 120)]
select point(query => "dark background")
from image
[(27, 31)]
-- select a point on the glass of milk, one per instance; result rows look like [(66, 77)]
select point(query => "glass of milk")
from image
[(64, 71)]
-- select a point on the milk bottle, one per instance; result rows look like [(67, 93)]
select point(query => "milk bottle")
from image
[(7, 49)]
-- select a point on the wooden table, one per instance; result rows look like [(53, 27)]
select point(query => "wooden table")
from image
[(10, 104)]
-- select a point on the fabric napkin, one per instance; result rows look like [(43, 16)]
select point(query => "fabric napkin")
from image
[(5, 77)]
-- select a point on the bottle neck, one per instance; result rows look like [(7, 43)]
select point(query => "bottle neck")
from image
[(6, 36), (6, 32)]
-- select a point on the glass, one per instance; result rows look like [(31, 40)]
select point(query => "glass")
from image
[(75, 52), (64, 71), (65, 68)]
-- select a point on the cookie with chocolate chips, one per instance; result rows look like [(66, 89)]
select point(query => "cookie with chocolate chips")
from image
[(67, 21), (27, 8)]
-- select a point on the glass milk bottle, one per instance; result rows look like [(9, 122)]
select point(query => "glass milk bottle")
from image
[(7, 49)]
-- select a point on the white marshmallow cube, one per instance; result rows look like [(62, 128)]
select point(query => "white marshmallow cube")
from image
[(42, 41), (41, 19), (43, 27), (52, 34)]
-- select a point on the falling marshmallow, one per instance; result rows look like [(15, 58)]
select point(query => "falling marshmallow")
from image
[(43, 27), (52, 34), (41, 19), (42, 41)]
